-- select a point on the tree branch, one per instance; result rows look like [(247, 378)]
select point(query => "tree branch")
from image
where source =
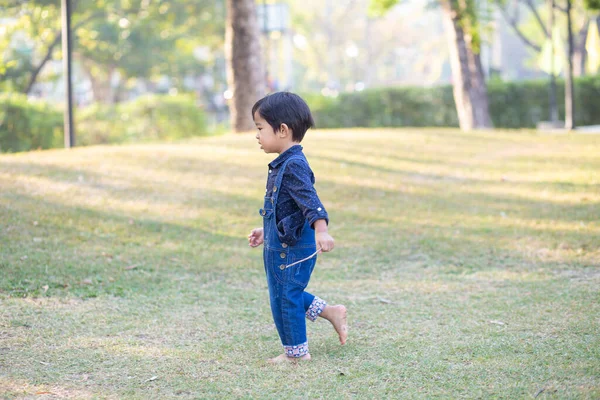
[(50, 50), (537, 17), (46, 58), (559, 8), (514, 25), (583, 33)]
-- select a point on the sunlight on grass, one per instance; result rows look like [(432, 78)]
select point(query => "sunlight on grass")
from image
[(468, 261), (535, 194), (500, 275), (22, 389)]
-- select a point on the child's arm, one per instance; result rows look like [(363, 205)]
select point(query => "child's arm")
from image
[(300, 184), (256, 237), (323, 238)]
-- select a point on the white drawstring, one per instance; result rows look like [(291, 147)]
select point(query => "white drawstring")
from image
[(304, 259)]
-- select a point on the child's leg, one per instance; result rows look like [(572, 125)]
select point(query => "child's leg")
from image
[(287, 307), (295, 343), (317, 307), (313, 305)]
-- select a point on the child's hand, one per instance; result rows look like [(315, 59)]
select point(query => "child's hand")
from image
[(324, 241), (256, 237)]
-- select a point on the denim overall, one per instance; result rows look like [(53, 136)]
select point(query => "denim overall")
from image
[(290, 304)]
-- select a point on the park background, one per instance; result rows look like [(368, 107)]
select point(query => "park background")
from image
[(456, 151)]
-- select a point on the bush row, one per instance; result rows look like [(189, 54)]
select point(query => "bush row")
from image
[(512, 105), (27, 125), (149, 118)]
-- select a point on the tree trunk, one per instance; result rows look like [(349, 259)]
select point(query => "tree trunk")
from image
[(569, 90), (245, 75), (469, 87), (552, 94), (368, 72), (480, 95), (580, 53), (101, 83)]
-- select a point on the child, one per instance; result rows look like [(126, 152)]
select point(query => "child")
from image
[(294, 225)]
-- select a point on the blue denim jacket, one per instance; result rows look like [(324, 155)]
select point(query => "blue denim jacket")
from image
[(298, 200)]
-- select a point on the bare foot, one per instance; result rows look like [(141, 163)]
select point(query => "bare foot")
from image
[(337, 316), (282, 358)]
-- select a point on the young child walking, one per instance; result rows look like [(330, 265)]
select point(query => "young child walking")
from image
[(294, 225)]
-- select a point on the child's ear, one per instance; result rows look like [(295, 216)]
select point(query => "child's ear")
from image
[(284, 130)]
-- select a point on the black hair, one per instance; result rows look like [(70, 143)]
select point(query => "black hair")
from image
[(285, 108)]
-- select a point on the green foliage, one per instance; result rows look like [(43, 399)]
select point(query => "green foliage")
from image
[(474, 16), (28, 31), (151, 40), (144, 119), (138, 39), (524, 104), (468, 261), (592, 4), (28, 125), (379, 7), (512, 105), (407, 106)]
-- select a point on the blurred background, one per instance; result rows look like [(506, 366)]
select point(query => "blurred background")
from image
[(162, 70)]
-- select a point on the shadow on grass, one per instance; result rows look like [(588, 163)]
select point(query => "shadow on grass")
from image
[(436, 177), (83, 244), (88, 251)]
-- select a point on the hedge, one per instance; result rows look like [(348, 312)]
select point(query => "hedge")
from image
[(512, 105), (148, 118), (29, 125)]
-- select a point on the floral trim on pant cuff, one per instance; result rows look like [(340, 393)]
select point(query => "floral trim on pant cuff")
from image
[(296, 351), (315, 308)]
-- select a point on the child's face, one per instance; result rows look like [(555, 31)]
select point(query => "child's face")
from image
[(269, 141)]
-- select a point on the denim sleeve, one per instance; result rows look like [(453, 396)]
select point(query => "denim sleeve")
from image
[(300, 181)]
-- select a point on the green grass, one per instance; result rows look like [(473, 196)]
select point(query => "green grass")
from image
[(469, 262)]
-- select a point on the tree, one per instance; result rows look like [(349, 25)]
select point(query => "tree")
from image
[(534, 32), (146, 42), (338, 46), (138, 39), (245, 74), (593, 5), (547, 51), (470, 89), (576, 52), (462, 24), (569, 87), (549, 34), (39, 22)]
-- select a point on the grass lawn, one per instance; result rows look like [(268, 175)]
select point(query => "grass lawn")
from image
[(469, 262)]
